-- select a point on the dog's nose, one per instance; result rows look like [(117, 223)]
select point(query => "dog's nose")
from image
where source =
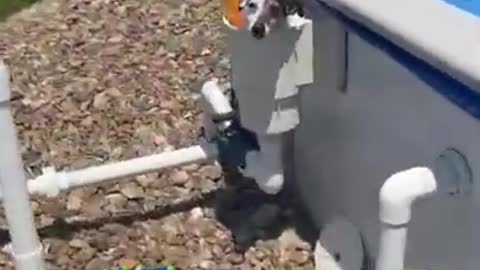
[(258, 31)]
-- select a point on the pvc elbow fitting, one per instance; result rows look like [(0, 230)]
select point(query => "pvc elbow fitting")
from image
[(50, 183), (401, 190)]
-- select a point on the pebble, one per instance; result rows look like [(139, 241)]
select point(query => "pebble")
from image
[(132, 191), (235, 258), (207, 265), (74, 201), (97, 264), (116, 202), (78, 243), (211, 171), (145, 180), (225, 266), (196, 213), (180, 178)]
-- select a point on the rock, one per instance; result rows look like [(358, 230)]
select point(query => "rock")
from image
[(191, 167), (35, 206), (116, 202), (176, 254), (206, 185), (211, 172), (46, 220), (299, 257), (78, 243), (207, 265), (196, 213), (197, 3), (129, 263), (74, 201), (100, 101), (180, 178), (132, 191), (100, 241), (235, 258), (218, 251), (290, 239), (225, 266), (97, 264), (145, 180), (85, 254), (92, 206)]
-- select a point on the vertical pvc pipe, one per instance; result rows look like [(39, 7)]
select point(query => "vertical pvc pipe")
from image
[(392, 246), (27, 250)]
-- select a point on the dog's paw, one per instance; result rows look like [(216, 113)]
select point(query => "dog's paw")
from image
[(296, 22)]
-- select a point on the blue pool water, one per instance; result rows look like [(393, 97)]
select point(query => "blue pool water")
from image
[(472, 6)]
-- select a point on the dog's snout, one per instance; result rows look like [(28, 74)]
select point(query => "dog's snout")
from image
[(258, 31)]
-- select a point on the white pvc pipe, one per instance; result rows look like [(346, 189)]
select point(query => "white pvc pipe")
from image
[(51, 183), (393, 241), (214, 103), (396, 198), (26, 247)]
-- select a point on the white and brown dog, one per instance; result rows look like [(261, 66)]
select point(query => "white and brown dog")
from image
[(263, 15)]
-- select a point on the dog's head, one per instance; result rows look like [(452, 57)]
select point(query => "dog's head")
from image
[(261, 15)]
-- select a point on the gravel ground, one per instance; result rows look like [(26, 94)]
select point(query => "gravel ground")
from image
[(103, 80)]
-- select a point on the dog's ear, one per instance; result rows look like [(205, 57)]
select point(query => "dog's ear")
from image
[(275, 9)]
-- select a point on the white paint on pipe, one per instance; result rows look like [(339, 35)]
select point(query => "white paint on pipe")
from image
[(396, 198), (26, 247), (51, 183)]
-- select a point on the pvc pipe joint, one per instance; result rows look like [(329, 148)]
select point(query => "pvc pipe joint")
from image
[(50, 183), (401, 190)]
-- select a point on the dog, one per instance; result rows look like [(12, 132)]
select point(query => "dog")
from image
[(263, 15)]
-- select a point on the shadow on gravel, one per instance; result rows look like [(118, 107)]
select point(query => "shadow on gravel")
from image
[(252, 215), (246, 211), (65, 230)]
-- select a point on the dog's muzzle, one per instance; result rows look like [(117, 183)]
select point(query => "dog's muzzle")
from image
[(258, 30)]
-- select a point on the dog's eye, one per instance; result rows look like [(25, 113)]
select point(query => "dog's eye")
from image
[(252, 5)]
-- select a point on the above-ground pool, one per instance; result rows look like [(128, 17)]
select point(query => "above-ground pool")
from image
[(472, 6), (396, 85)]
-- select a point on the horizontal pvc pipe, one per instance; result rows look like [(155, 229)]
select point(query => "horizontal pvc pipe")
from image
[(140, 165), (26, 247), (51, 182)]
